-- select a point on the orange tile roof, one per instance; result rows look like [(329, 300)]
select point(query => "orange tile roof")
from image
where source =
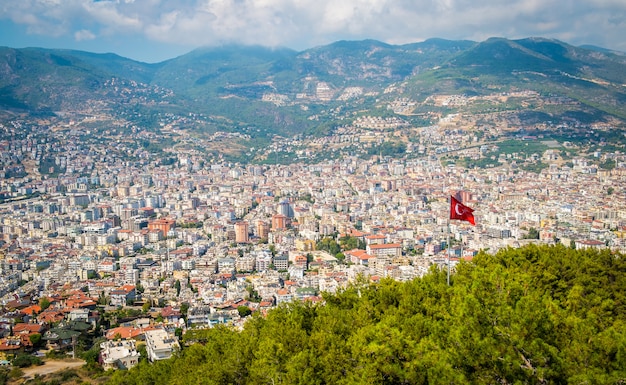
[(127, 332), (31, 310), (50, 316), (30, 328)]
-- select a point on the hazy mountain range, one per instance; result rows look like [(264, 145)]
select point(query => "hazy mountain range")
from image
[(287, 92)]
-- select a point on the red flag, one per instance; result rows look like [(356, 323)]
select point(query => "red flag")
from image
[(459, 211)]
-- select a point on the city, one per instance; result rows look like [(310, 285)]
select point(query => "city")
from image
[(114, 241)]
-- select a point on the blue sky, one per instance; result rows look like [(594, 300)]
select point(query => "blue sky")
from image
[(156, 30)]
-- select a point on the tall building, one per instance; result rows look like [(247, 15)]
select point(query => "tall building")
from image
[(241, 232), (279, 222), (262, 229), (284, 208), (165, 225)]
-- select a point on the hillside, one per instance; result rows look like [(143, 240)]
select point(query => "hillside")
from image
[(260, 94), (532, 315)]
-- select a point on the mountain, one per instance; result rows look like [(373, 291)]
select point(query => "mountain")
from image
[(592, 78), (47, 81), (284, 92)]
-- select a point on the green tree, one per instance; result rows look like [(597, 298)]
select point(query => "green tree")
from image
[(534, 315), (184, 309), (244, 311), (102, 299), (328, 244), (348, 242), (23, 360), (35, 339), (44, 303), (533, 233), (253, 295)]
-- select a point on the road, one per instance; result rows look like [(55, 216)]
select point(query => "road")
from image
[(51, 366)]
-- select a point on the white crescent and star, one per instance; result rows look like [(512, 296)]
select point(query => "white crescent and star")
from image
[(456, 210)]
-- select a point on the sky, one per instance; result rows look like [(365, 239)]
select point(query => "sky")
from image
[(157, 30)]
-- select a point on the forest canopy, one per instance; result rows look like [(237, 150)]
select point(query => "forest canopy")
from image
[(534, 315)]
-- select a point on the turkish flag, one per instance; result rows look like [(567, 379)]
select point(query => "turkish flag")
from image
[(459, 211)]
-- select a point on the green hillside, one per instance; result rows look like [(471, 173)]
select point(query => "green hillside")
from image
[(535, 315), (265, 92)]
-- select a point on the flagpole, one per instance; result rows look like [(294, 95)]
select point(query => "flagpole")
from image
[(448, 245), (461, 255)]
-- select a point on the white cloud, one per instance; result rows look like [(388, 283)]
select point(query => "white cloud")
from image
[(83, 35), (304, 23)]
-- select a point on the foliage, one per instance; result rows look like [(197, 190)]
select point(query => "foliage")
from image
[(55, 354), (244, 311), (349, 243), (15, 373), (328, 244), (307, 197), (102, 299), (533, 233), (44, 303), (608, 164), (184, 309), (112, 318), (526, 316), (387, 149), (91, 356), (253, 294), (23, 360), (35, 339), (67, 375), (177, 286), (535, 167)]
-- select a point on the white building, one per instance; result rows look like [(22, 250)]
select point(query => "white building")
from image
[(119, 354), (160, 345)]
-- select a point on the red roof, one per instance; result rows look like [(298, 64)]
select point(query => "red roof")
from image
[(30, 328), (169, 311), (360, 254), (31, 310), (127, 332), (51, 315)]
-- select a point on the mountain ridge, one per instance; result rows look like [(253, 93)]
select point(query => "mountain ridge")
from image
[(287, 92)]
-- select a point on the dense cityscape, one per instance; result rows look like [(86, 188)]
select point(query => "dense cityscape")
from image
[(104, 239)]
